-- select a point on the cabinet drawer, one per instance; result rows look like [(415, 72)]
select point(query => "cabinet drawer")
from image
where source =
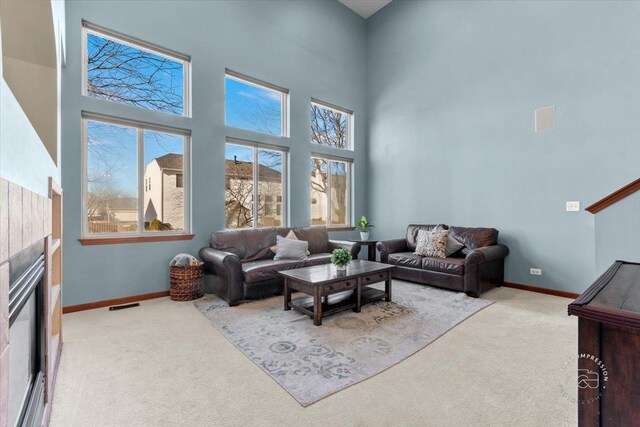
[(339, 286), (370, 279)]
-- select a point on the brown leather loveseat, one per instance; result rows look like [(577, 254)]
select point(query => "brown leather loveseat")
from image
[(475, 268), (239, 264)]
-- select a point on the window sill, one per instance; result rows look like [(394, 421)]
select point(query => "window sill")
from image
[(344, 228), (91, 241)]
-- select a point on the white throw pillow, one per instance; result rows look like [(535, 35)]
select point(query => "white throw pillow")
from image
[(432, 243), (291, 236), (291, 249)]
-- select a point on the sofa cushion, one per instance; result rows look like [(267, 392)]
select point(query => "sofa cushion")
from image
[(318, 259), (474, 238), (317, 237), (444, 265), (256, 271), (248, 244), (406, 259), (412, 232)]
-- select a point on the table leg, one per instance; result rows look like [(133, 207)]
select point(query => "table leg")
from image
[(317, 306), (387, 287), (287, 295), (358, 297), (372, 252)]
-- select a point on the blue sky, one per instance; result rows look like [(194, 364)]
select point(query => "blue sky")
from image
[(252, 108), (109, 73)]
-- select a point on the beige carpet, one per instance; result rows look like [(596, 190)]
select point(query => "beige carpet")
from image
[(163, 364)]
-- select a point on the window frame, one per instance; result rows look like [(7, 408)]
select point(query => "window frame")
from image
[(350, 120), (260, 84), (141, 233), (256, 146), (349, 208), (135, 43)]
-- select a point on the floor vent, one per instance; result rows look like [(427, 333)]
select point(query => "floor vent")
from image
[(122, 307)]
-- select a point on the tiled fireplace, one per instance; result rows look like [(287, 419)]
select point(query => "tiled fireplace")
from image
[(25, 242)]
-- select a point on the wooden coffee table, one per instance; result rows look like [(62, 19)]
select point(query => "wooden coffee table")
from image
[(331, 291)]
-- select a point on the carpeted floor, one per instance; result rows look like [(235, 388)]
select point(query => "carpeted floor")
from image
[(163, 364)]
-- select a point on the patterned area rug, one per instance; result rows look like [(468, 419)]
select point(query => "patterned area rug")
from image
[(311, 362)]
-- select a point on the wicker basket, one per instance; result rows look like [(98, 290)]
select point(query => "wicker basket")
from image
[(186, 283)]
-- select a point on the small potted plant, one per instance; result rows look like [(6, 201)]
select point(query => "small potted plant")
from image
[(340, 258), (364, 225)]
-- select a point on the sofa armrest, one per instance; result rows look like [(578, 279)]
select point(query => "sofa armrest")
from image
[(387, 247), (353, 247), (484, 266), (486, 254), (228, 267), (220, 259)]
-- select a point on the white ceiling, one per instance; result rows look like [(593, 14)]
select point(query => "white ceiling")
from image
[(365, 8)]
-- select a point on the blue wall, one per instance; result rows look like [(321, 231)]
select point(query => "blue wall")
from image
[(449, 89), (451, 92), (315, 49)]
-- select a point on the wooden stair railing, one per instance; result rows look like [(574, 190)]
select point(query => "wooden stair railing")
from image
[(614, 197)]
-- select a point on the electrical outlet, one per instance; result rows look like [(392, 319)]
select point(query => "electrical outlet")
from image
[(573, 206), (535, 271)]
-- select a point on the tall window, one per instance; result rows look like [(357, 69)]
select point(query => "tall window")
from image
[(136, 175), (126, 71), (255, 186), (331, 125), (131, 182), (330, 192), (255, 105)]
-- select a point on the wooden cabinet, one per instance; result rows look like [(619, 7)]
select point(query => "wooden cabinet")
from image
[(609, 348)]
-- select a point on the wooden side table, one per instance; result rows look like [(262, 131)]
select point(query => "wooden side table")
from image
[(371, 248)]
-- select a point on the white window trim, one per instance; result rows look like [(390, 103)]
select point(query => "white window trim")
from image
[(348, 113), (349, 187), (285, 170), (102, 32), (261, 84), (140, 127)]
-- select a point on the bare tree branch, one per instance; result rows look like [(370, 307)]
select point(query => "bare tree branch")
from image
[(124, 74)]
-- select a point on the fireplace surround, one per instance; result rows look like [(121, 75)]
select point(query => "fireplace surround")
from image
[(30, 302), (27, 326)]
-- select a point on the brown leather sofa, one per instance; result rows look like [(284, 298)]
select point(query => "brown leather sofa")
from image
[(239, 264), (477, 267)]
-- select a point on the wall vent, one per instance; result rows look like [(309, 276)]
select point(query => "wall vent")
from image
[(545, 119)]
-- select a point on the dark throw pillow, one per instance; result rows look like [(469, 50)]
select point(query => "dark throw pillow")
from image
[(453, 246)]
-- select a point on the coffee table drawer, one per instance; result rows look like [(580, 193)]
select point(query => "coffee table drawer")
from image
[(332, 288), (370, 279)]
